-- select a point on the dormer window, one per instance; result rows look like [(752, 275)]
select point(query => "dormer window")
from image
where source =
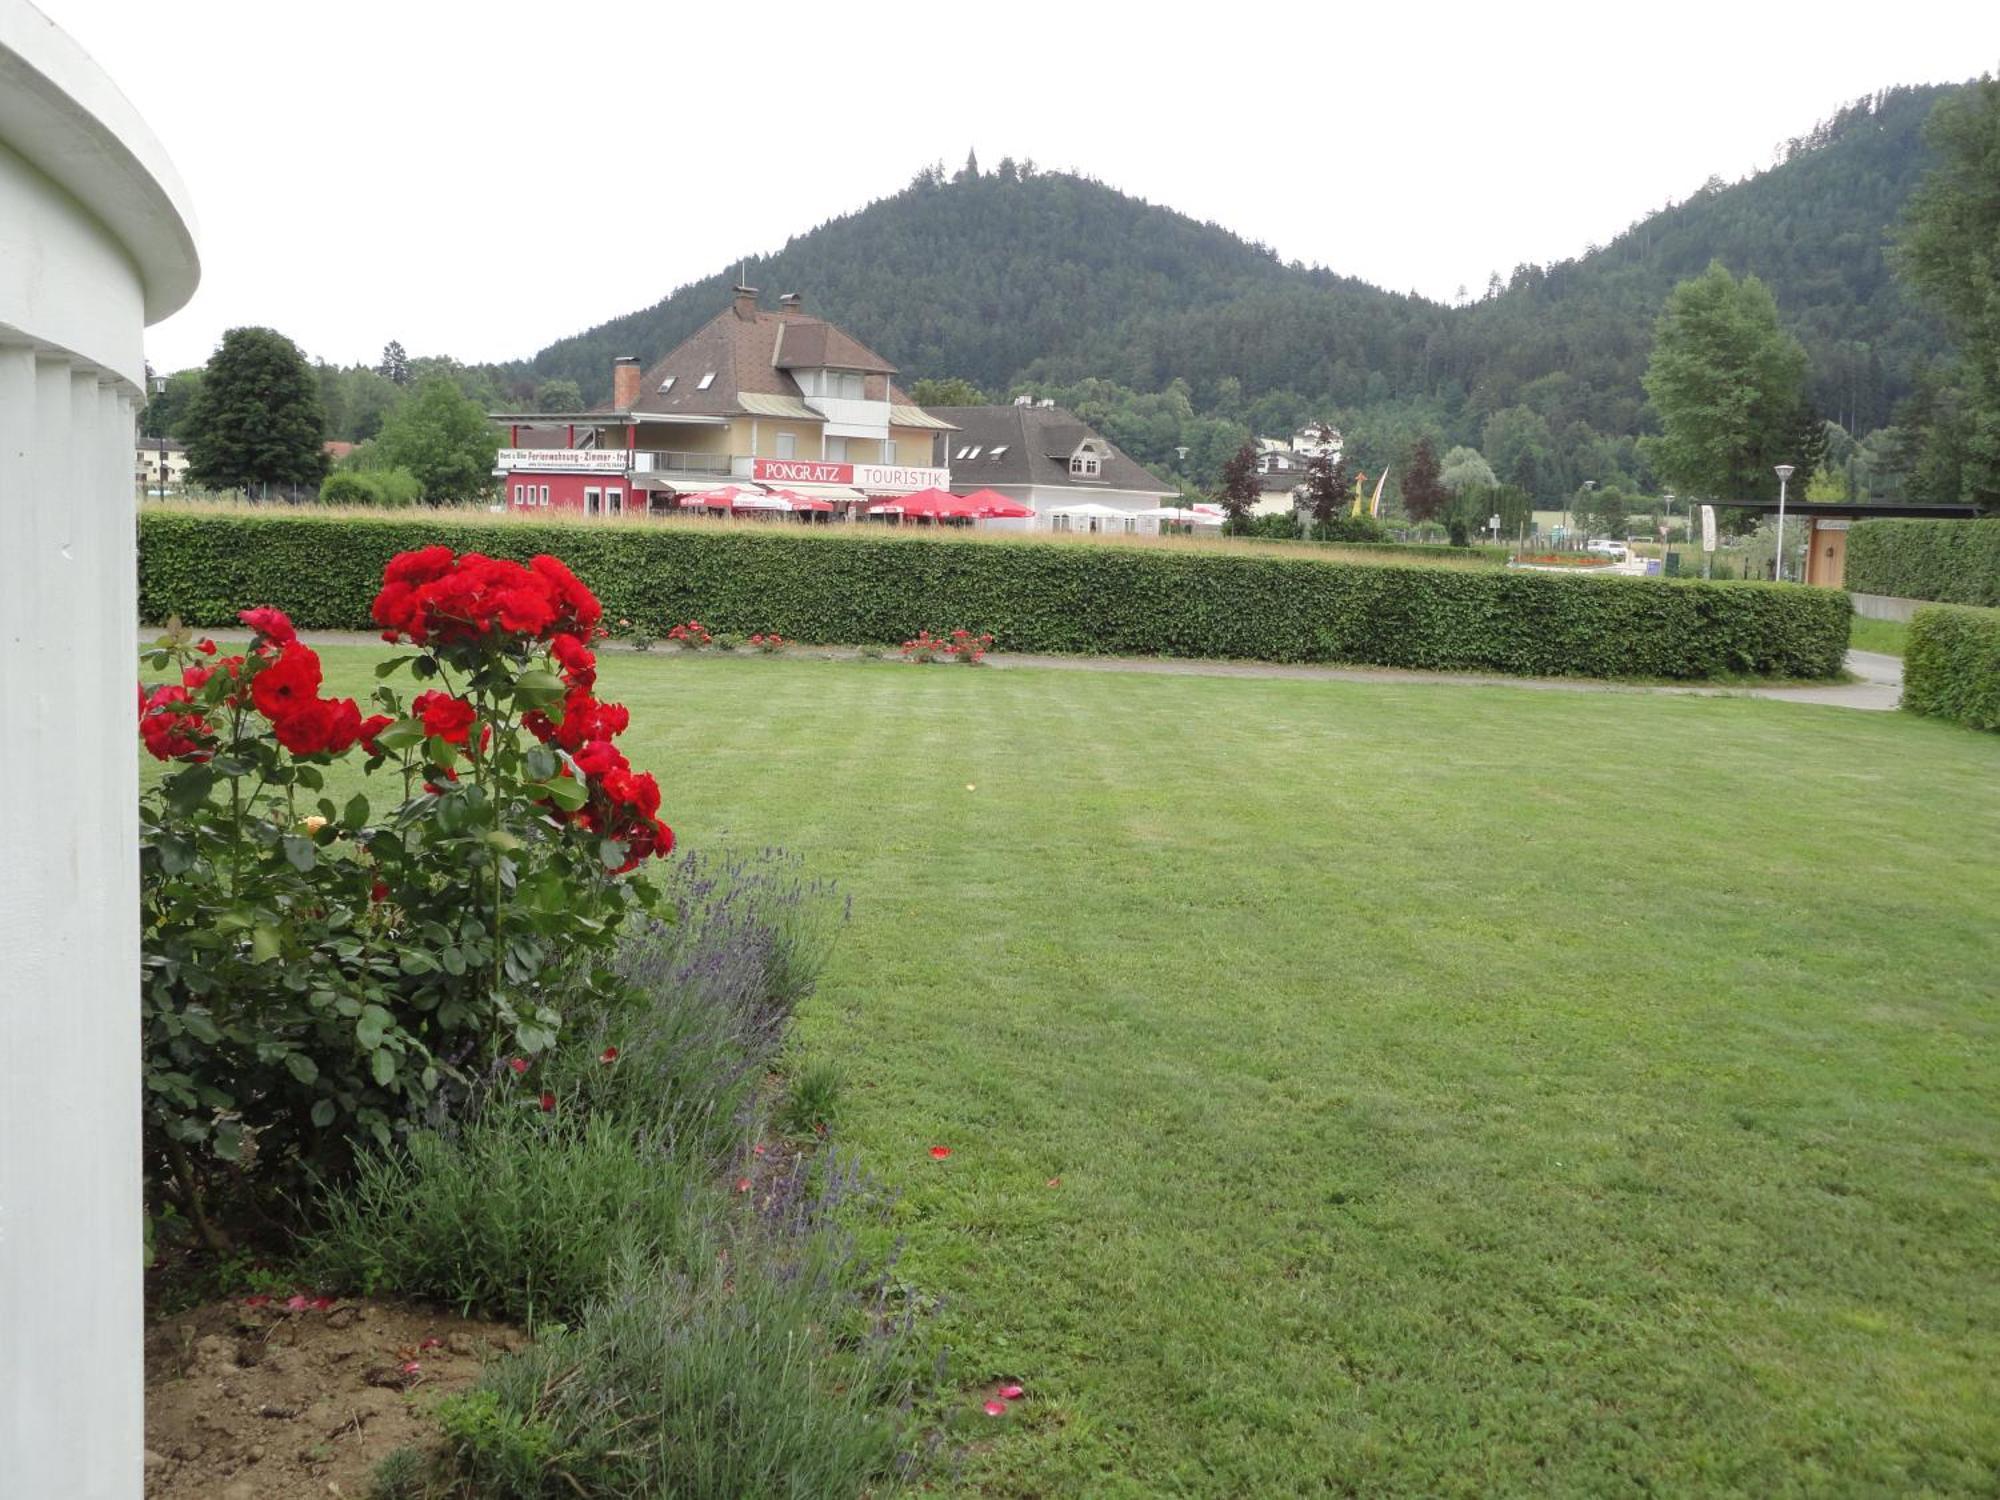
[(840, 385), (1086, 462), (994, 456), (668, 384), (706, 381)]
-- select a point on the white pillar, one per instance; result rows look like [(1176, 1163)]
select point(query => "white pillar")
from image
[(95, 241)]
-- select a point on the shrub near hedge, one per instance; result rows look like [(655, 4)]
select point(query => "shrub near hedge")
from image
[(843, 587), (1953, 562), (1951, 665)]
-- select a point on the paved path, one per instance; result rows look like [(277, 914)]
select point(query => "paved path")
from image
[(1879, 687)]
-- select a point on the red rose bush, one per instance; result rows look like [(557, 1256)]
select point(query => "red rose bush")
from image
[(317, 970)]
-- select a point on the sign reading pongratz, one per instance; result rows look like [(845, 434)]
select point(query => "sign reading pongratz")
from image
[(891, 478)]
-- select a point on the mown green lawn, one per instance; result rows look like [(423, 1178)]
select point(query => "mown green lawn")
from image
[(1886, 636), (1362, 1089)]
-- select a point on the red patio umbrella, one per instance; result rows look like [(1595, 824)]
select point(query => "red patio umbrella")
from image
[(802, 502), (923, 503), (995, 506)]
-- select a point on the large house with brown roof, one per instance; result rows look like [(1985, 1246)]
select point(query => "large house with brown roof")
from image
[(758, 399), (1042, 456)]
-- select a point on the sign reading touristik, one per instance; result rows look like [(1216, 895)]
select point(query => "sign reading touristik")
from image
[(894, 477)]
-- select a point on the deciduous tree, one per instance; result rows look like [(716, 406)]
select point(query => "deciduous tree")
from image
[(949, 391), (257, 420), (444, 439), (1329, 487), (1424, 493), (1240, 488), (1727, 382), (1465, 469), (558, 395)]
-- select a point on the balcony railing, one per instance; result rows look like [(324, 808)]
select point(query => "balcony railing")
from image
[(645, 461)]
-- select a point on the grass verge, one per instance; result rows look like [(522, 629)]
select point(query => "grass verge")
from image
[(1374, 1088), (1886, 636)]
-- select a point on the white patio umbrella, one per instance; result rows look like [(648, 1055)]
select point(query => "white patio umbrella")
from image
[(1090, 512)]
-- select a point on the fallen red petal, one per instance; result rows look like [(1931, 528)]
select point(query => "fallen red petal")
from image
[(996, 1408), (518, 1064), (412, 1368), (742, 1184), (296, 1303), (321, 1304), (608, 1055), (431, 1344), (257, 1301), (758, 1149), (1010, 1392), (548, 1102), (939, 1153)]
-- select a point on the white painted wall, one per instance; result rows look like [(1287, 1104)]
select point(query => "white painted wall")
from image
[(95, 240)]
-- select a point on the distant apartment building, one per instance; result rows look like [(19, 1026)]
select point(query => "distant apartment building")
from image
[(154, 458), (756, 398), (1281, 465)]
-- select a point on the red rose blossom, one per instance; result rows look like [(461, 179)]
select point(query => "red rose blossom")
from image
[(448, 718), (325, 726), (286, 683), (274, 625)]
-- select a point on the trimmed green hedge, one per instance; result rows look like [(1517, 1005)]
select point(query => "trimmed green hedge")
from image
[(1477, 552), (840, 587), (1953, 562), (1951, 665)]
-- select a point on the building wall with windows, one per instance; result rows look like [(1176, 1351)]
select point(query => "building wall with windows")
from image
[(581, 494)]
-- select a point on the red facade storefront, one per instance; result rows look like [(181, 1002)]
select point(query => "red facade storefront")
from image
[(584, 494)]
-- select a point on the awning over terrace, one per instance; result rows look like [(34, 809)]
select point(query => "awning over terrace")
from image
[(833, 494)]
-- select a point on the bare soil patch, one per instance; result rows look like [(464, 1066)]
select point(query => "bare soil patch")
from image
[(270, 1402)]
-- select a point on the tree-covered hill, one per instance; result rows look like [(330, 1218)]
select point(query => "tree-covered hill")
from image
[(1815, 228), (1016, 274)]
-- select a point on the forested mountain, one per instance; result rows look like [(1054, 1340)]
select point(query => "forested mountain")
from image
[(1814, 228), (1172, 334), (1017, 274)]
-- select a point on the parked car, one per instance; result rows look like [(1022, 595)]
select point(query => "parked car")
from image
[(1616, 551)]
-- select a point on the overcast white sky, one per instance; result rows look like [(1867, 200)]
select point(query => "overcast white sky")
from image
[(480, 179)]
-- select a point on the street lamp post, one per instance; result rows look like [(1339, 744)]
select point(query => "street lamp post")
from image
[(1784, 472), (160, 389)]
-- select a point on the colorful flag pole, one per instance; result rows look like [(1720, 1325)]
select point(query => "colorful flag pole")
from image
[(1375, 505)]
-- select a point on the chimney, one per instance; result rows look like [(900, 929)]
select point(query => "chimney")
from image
[(792, 303), (746, 302), (624, 381)]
